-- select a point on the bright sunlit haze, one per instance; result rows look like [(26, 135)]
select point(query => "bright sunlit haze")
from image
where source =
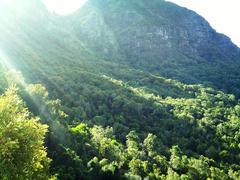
[(64, 7)]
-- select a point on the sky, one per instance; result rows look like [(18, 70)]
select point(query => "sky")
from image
[(223, 15), (64, 7)]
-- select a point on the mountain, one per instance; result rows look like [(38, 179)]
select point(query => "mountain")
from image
[(129, 89), (161, 38), (157, 37), (159, 28)]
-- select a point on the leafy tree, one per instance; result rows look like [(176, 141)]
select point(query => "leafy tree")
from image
[(133, 146), (177, 160), (150, 144), (23, 155)]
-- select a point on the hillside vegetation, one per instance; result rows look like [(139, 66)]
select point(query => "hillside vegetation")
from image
[(117, 90)]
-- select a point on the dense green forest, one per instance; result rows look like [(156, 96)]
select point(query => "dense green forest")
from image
[(114, 129), (78, 105)]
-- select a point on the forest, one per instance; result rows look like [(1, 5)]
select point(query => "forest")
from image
[(117, 130), (87, 97)]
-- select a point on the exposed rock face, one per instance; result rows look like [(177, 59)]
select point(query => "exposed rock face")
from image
[(155, 28)]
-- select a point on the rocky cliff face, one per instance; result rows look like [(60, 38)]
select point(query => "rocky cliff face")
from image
[(141, 28)]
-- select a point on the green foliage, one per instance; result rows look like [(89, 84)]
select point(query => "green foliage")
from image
[(110, 114), (129, 131), (23, 155)]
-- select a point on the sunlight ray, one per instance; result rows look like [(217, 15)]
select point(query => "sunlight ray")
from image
[(15, 77), (5, 62)]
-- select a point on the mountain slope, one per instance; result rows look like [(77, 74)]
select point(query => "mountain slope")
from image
[(161, 38), (120, 115), (157, 37)]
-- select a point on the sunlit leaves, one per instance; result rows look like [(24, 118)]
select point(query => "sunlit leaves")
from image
[(22, 137)]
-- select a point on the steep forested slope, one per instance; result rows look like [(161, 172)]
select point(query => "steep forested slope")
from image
[(160, 37), (112, 112)]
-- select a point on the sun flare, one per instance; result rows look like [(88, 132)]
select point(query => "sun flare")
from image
[(64, 7)]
